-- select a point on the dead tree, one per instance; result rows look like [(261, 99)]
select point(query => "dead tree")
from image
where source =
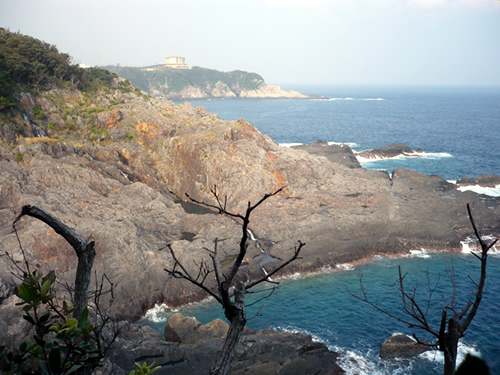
[(230, 293), (84, 251), (454, 321)]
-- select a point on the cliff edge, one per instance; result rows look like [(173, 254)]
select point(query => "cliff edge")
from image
[(202, 83)]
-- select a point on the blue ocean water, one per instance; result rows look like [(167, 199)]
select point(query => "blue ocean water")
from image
[(322, 306), (458, 129)]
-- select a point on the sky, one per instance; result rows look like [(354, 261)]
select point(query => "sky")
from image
[(360, 42)]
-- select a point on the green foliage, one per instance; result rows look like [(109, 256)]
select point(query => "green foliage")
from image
[(94, 109), (178, 79), (19, 156), (38, 113), (61, 344), (144, 369), (129, 136), (97, 133), (30, 64)]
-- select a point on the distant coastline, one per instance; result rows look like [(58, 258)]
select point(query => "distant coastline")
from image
[(200, 83)]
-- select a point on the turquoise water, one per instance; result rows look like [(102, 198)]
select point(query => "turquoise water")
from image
[(323, 307), (458, 129)]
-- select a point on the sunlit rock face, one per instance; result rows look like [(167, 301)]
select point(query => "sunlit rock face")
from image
[(117, 165)]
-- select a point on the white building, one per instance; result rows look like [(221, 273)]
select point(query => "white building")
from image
[(176, 62)]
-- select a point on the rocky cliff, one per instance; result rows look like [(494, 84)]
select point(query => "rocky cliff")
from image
[(202, 83), (115, 166)]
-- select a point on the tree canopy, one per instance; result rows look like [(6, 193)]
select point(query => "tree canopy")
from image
[(30, 64)]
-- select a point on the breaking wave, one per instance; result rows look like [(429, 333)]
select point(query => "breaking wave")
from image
[(422, 155), (493, 192)]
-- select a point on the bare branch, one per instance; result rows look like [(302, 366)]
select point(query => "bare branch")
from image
[(244, 237), (262, 298), (484, 256), (283, 265), (183, 274), (256, 314)]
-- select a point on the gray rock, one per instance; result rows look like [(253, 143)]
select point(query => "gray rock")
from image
[(336, 153), (390, 151), (259, 352), (488, 180), (401, 346), (124, 194)]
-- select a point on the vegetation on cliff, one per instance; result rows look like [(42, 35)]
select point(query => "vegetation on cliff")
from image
[(171, 82), (30, 64), (43, 93)]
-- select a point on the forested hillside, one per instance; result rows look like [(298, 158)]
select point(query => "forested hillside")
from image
[(29, 64), (161, 81)]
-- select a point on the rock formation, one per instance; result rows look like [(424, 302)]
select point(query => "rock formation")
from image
[(258, 352), (336, 153), (202, 83), (401, 346), (116, 167), (488, 180), (391, 151)]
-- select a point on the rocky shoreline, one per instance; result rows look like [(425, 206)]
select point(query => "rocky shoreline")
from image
[(131, 188), (124, 188), (222, 91)]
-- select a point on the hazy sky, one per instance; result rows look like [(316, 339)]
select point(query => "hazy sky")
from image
[(286, 41)]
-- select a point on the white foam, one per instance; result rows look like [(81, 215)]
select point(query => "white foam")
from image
[(462, 351), (290, 144), (471, 244), (293, 329), (404, 155), (493, 192), (350, 144), (159, 313), (422, 253), (295, 276), (345, 266), (354, 363)]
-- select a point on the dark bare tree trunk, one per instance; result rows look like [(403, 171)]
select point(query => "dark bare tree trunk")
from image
[(449, 346), (238, 320), (84, 251), (233, 310)]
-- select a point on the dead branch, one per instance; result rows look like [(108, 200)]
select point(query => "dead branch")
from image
[(230, 294), (450, 329), (84, 250)]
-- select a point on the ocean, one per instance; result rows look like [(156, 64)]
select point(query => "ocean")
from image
[(458, 132)]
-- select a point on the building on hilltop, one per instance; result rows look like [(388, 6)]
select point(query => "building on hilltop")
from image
[(176, 62)]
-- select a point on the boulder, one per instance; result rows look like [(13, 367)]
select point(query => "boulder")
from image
[(188, 330), (336, 153), (401, 346), (390, 151), (257, 353)]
